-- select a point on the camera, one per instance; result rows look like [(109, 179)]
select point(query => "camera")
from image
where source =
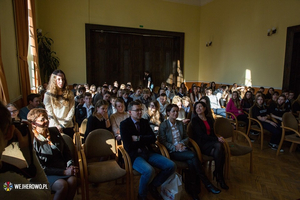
[(22, 127)]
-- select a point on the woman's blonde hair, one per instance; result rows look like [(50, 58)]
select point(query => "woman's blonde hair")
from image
[(154, 117), (67, 95)]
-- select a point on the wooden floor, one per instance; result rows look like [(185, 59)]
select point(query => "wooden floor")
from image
[(272, 178)]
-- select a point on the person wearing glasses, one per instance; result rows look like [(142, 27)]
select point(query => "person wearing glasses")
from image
[(137, 137)]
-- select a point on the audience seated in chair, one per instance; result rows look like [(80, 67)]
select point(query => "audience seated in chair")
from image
[(99, 119), (210, 144), (215, 105), (33, 101), (172, 135), (57, 162), (85, 110), (154, 116), (137, 137)]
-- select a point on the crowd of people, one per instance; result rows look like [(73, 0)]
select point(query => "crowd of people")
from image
[(139, 117)]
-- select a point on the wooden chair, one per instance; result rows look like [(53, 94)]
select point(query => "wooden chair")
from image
[(82, 127), (133, 172), (255, 125), (78, 162), (224, 128), (101, 143), (234, 121), (289, 124)]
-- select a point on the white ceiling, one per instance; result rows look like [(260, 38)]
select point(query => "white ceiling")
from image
[(191, 2)]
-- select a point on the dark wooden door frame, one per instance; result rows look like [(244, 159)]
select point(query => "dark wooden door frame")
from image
[(125, 30), (291, 31)]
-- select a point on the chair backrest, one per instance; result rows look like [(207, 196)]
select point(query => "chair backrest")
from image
[(100, 143), (71, 145), (189, 130), (290, 121), (83, 125), (223, 127)]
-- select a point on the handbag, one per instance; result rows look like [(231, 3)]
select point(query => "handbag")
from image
[(171, 189)]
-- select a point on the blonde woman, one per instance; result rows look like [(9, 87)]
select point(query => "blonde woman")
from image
[(59, 103), (117, 117), (154, 116)]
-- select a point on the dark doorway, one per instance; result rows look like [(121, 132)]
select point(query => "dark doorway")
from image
[(291, 75), (123, 54)]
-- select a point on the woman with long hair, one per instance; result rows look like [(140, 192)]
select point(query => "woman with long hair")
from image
[(54, 155), (211, 145), (277, 110), (99, 119), (173, 136), (247, 101), (195, 95), (154, 116), (210, 112), (234, 106), (260, 112), (59, 103), (213, 86), (116, 118)]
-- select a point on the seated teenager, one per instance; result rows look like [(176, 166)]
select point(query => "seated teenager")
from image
[(126, 98), (137, 94), (112, 106), (14, 111), (93, 90), (12, 173), (274, 99), (277, 110), (161, 91), (116, 118), (195, 95), (260, 112), (80, 91), (85, 110), (173, 136), (137, 137), (145, 98), (247, 101), (187, 106), (181, 113), (181, 93), (33, 101), (99, 119), (163, 103), (154, 116), (270, 93), (54, 155), (215, 104), (211, 145), (234, 106), (99, 95)]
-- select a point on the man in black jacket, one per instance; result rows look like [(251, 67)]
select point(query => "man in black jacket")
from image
[(137, 137)]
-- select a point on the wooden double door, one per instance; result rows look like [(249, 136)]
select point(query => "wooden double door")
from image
[(124, 54)]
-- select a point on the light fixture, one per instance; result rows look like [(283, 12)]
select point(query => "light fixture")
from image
[(272, 31), (208, 44)]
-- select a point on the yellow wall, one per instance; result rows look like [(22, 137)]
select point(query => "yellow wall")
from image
[(8, 49), (65, 21), (238, 30)]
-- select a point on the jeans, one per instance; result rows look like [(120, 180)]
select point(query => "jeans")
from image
[(220, 111), (145, 168), (276, 132)]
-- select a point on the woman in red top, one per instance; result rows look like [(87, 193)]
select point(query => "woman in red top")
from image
[(209, 143)]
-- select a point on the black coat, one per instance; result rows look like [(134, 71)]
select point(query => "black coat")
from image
[(147, 137), (204, 141)]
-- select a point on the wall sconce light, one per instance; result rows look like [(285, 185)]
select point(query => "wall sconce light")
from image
[(208, 44), (272, 31)]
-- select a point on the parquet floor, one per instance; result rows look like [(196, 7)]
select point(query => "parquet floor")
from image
[(276, 178)]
